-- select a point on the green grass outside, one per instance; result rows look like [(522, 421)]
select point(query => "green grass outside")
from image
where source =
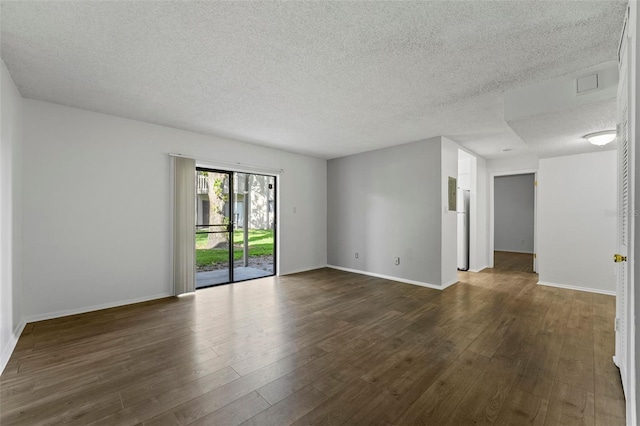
[(260, 244)]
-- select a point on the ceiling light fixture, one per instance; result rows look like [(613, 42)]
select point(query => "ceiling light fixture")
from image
[(601, 138)]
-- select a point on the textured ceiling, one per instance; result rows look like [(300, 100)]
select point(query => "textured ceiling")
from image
[(562, 133), (322, 78)]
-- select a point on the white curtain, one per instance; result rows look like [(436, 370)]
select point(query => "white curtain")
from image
[(184, 224)]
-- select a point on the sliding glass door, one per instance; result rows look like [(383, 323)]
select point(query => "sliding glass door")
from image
[(255, 219), (214, 227), (235, 226)]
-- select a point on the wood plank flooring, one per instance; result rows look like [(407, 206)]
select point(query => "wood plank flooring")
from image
[(520, 262), (326, 348)]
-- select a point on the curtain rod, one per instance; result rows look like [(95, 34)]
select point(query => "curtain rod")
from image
[(229, 164)]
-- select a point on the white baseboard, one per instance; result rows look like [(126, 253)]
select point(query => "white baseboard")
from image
[(578, 288), (298, 271), (449, 284), (67, 312), (390, 278), (514, 251), (11, 345), (482, 268)]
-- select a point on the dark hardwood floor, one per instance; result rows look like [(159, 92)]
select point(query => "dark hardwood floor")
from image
[(519, 262), (326, 347)]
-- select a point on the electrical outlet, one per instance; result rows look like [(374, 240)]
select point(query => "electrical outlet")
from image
[(397, 260), (357, 255)]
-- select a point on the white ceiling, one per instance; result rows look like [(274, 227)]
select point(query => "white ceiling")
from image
[(562, 133), (322, 78)]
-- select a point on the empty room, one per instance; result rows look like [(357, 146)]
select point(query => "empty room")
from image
[(305, 213)]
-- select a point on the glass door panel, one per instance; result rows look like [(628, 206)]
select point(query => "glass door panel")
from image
[(214, 228), (254, 235)]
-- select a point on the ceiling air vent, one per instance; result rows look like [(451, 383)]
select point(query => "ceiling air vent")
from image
[(586, 83)]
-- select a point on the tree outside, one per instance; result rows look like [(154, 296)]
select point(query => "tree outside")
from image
[(218, 193)]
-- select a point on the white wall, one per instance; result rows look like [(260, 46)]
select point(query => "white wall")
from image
[(390, 203), (11, 312), (384, 204), (97, 201), (479, 223), (512, 164), (472, 175), (576, 226), (464, 169), (514, 210), (449, 243)]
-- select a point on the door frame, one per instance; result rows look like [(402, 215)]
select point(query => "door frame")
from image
[(276, 220), (492, 177), (231, 216)]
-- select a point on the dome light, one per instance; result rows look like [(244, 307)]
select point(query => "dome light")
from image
[(601, 138)]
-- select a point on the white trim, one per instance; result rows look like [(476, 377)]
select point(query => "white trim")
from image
[(298, 271), (482, 268), (515, 251), (515, 172), (67, 312), (11, 345), (578, 288), (468, 151), (633, 41), (230, 166), (390, 278), (492, 177), (449, 284)]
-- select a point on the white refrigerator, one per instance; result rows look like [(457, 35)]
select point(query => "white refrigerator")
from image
[(462, 207)]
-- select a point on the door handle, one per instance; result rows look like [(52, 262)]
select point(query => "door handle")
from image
[(619, 258)]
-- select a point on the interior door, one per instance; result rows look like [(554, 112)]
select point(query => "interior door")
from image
[(625, 206)]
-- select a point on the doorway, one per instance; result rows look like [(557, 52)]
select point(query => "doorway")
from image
[(235, 226), (514, 222)]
